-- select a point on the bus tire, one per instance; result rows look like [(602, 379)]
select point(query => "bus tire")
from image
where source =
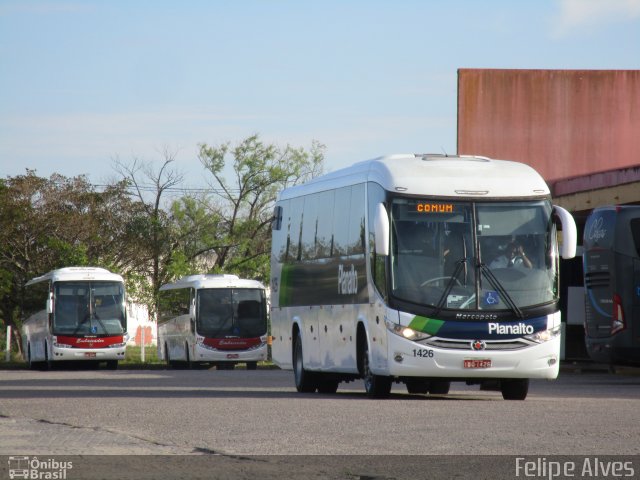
[(376, 386), (305, 383), (514, 389), (417, 385), (167, 358), (112, 364), (252, 365), (189, 364), (46, 365), (439, 387), (30, 362), (327, 385)]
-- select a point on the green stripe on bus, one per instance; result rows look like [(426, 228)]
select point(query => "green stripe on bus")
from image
[(426, 325)]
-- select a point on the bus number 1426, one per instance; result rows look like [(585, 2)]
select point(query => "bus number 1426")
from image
[(423, 352)]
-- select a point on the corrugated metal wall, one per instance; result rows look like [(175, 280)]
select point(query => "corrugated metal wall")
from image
[(564, 123)]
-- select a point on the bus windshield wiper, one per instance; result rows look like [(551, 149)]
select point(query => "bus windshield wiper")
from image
[(452, 280), (495, 283)]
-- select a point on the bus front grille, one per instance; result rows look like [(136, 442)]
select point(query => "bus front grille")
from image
[(463, 344)]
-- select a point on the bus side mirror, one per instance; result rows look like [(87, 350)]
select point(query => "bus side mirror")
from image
[(381, 230), (569, 232), (192, 315)]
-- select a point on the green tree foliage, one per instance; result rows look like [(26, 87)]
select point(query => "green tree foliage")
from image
[(242, 205), (57, 222), (144, 226)]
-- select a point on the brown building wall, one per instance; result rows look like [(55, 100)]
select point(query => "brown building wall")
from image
[(564, 123)]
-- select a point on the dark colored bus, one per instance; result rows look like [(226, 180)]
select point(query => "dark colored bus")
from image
[(612, 284)]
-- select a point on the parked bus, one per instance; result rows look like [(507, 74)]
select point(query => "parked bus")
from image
[(420, 269), (75, 313), (215, 319), (611, 262)]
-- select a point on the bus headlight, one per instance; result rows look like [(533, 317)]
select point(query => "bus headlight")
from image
[(544, 335), (61, 345), (406, 332)]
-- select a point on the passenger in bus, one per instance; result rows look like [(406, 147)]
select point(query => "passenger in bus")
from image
[(513, 256)]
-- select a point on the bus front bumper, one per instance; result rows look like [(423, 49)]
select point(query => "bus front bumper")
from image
[(209, 354), (103, 354), (411, 359)]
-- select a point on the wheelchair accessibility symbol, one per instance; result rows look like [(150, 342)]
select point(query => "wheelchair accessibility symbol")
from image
[(491, 298)]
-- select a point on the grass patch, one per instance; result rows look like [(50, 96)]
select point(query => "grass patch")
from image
[(133, 354)]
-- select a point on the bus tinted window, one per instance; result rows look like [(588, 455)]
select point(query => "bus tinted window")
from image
[(325, 222), (226, 312), (89, 307), (173, 303), (35, 298), (600, 229), (341, 222), (356, 221), (635, 233)]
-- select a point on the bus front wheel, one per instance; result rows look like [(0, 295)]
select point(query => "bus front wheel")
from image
[(514, 389), (30, 362), (439, 387), (304, 379), (417, 385), (167, 357), (376, 386)]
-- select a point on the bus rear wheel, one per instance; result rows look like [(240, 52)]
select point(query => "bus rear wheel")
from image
[(514, 389), (304, 379)]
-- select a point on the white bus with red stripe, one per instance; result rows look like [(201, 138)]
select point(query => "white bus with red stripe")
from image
[(75, 313), (212, 319)]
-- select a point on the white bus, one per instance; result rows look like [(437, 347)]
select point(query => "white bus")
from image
[(215, 319), (75, 313), (421, 269)]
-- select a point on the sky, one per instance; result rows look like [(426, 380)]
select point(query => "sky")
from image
[(86, 83)]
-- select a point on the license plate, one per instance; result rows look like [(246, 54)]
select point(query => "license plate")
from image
[(484, 363), (90, 354), (233, 355)]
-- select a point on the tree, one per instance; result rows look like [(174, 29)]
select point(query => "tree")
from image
[(53, 223), (243, 206), (157, 246)]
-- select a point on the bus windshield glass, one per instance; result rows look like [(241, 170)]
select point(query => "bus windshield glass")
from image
[(473, 256), (231, 312), (89, 308)]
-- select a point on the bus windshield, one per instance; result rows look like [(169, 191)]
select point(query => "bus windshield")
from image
[(472, 255), (231, 312), (89, 308)]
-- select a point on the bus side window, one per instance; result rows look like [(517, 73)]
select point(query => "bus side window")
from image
[(635, 233)]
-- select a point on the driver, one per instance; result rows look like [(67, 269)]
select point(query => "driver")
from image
[(513, 256)]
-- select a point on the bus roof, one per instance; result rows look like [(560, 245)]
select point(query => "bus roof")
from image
[(212, 281), (435, 175), (77, 273)]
